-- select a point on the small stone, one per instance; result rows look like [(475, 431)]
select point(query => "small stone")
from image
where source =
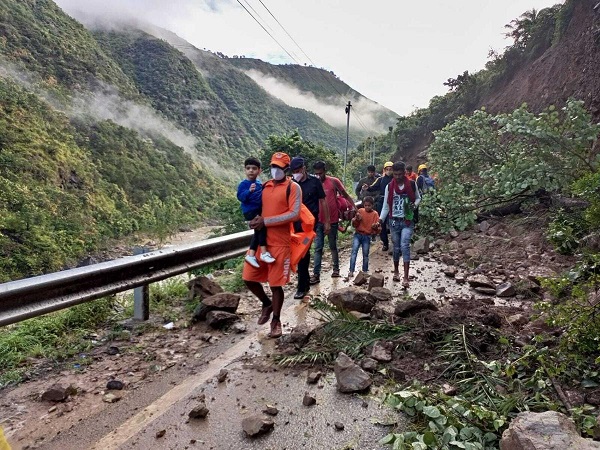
[(448, 389), (115, 385), (56, 393), (111, 398), (313, 377), (369, 364), (222, 376), (271, 410), (160, 433), (112, 350), (52, 409), (257, 425), (199, 412), (339, 426), (308, 400)]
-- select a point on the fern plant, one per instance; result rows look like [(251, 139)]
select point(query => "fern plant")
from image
[(342, 332)]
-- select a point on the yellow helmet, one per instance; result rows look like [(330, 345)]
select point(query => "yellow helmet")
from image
[(421, 167), (388, 164)]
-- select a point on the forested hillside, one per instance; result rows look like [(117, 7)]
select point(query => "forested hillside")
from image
[(326, 87), (108, 133), (260, 113)]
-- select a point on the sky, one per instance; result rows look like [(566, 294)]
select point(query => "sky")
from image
[(395, 52)]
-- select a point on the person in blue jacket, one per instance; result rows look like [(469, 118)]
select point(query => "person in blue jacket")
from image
[(249, 194)]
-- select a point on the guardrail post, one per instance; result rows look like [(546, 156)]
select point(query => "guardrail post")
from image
[(141, 295)]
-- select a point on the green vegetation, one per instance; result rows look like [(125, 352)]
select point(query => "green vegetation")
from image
[(37, 36), (68, 187), (178, 90), (55, 336), (487, 161), (489, 393), (532, 34), (342, 332)]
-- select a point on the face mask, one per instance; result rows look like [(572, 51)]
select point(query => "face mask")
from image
[(298, 176), (277, 173)]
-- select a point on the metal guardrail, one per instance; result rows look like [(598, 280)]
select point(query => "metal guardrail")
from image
[(31, 297)]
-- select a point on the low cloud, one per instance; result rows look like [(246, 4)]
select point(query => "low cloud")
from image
[(106, 104), (331, 110)]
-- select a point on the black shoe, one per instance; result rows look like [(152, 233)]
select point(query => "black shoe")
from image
[(299, 294), (384, 248), (315, 279)]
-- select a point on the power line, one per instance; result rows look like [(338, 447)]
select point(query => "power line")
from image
[(289, 54), (311, 61)]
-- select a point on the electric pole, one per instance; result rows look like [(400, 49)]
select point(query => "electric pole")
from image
[(348, 106)]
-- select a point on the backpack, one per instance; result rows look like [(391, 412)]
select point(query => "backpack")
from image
[(428, 182), (346, 210), (302, 233)]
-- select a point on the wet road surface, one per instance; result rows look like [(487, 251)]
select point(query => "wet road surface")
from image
[(254, 382)]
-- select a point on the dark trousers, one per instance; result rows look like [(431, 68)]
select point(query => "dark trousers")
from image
[(384, 226), (384, 233), (303, 273), (259, 238)]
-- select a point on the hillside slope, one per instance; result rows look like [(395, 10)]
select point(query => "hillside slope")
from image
[(568, 69), (328, 91), (261, 113), (552, 58)]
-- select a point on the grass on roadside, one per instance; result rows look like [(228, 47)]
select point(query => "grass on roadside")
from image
[(55, 336)]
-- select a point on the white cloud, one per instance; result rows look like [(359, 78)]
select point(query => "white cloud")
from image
[(397, 53), (332, 111)]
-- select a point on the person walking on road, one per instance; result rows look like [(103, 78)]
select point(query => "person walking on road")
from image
[(364, 183), (249, 193), (313, 196), (377, 189), (332, 187), (281, 206), (401, 198), (365, 223)]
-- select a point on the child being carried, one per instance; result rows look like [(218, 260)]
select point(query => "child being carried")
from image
[(249, 194)]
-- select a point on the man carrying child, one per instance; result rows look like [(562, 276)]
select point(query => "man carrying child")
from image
[(249, 194)]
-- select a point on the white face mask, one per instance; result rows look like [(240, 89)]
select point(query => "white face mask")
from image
[(298, 176), (277, 173)]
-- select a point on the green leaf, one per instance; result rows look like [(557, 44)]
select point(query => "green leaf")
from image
[(429, 439), (388, 439), (431, 411)]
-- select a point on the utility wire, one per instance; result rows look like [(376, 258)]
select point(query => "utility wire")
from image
[(289, 54), (265, 22), (311, 61)]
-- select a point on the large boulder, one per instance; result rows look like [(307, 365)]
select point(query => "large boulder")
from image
[(421, 246), (203, 287), (350, 377), (224, 301), (376, 280), (352, 299), (549, 430), (381, 294), (412, 307)]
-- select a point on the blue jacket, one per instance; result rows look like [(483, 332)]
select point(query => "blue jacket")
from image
[(251, 201)]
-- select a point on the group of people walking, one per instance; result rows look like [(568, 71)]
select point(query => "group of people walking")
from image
[(271, 209)]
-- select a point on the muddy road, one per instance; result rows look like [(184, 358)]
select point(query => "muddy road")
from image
[(166, 372)]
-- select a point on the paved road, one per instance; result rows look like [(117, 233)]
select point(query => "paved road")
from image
[(253, 382)]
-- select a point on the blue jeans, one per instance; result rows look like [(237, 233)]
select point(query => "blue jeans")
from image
[(401, 234), (320, 242), (364, 241)]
